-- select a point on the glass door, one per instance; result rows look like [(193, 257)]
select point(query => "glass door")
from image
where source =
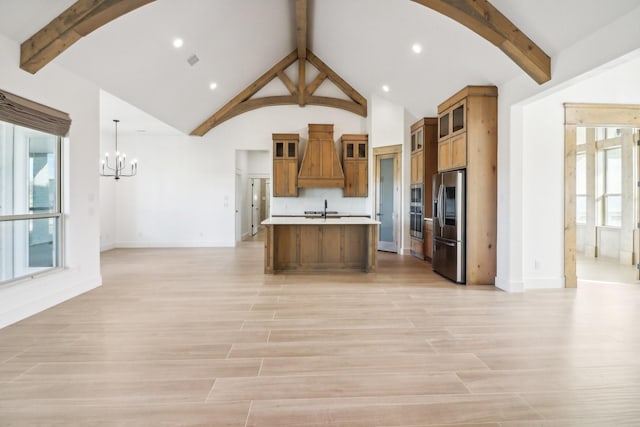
[(386, 240)]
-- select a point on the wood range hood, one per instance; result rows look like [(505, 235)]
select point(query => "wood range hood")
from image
[(320, 166)]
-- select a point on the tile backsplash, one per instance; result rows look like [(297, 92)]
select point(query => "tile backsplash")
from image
[(312, 199)]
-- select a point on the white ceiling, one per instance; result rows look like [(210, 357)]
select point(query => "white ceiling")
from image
[(367, 42)]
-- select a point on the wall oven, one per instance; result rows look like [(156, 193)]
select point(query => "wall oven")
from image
[(415, 211)]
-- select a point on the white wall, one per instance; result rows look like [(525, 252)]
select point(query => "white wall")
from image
[(543, 172), (530, 149), (184, 193), (390, 125), (107, 198), (57, 88)]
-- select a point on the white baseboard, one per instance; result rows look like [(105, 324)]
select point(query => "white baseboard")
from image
[(543, 283), (142, 245), (509, 285), (29, 297), (107, 247)]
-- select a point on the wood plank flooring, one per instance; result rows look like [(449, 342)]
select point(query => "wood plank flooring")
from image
[(202, 337)]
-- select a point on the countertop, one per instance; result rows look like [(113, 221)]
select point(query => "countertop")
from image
[(301, 220)]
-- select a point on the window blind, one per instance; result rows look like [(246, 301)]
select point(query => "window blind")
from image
[(23, 112)]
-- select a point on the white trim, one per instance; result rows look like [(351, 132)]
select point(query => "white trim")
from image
[(107, 247), (544, 283), (212, 244), (32, 297), (507, 285)]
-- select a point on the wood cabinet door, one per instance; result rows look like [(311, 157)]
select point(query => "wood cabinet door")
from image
[(419, 158), (414, 166), (444, 155), (459, 151), (428, 240), (356, 178), (285, 178)]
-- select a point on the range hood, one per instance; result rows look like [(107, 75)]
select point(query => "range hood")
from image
[(320, 166)]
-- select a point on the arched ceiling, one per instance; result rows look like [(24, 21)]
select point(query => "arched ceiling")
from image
[(367, 43)]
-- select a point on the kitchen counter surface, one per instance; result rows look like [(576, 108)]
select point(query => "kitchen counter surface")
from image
[(301, 220)]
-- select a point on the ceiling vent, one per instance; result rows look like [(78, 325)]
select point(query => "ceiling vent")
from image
[(320, 166), (193, 59)]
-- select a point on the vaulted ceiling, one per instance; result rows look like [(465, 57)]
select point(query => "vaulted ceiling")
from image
[(368, 43)]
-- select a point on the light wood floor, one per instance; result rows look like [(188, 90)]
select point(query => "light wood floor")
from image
[(202, 337)]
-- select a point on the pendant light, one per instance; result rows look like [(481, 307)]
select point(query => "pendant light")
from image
[(118, 168)]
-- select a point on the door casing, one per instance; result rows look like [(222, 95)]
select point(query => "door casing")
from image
[(389, 152)]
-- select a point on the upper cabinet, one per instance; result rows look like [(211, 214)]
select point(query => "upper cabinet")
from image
[(355, 163), (470, 112), (285, 164)]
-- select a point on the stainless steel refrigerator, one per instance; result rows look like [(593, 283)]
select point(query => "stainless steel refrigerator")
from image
[(449, 220)]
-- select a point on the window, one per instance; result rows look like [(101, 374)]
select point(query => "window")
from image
[(30, 208), (611, 176), (581, 187), (604, 133)]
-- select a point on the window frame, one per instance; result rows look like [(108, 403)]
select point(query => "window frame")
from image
[(57, 214), (584, 195), (602, 148)]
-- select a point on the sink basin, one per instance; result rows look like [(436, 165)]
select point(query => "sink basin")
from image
[(320, 214)]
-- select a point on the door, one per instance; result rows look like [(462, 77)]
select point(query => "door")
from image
[(385, 206), (387, 199), (238, 207), (636, 231), (256, 192)]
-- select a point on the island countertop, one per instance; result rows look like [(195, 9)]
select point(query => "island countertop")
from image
[(301, 220)]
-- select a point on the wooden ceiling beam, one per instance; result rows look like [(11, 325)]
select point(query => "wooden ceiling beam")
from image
[(336, 79), (254, 104), (243, 102), (247, 93), (301, 28), (488, 22), (301, 41), (80, 19), (315, 84), (343, 104), (291, 87)]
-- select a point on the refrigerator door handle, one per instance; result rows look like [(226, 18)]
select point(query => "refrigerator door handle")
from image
[(439, 205), (451, 244)]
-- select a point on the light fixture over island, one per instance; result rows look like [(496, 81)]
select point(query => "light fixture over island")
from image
[(320, 244)]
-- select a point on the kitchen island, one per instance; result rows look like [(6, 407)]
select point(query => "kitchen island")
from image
[(320, 244)]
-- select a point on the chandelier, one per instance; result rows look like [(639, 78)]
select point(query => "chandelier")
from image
[(117, 171)]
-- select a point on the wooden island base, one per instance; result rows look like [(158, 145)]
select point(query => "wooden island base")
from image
[(321, 245)]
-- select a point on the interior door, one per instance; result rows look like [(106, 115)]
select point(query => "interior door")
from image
[(636, 137), (255, 205), (387, 201), (238, 207)]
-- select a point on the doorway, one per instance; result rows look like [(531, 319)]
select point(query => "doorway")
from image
[(387, 172), (601, 195), (260, 201)]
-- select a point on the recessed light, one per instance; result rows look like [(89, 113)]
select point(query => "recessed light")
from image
[(416, 48), (177, 43), (385, 88), (213, 85)]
